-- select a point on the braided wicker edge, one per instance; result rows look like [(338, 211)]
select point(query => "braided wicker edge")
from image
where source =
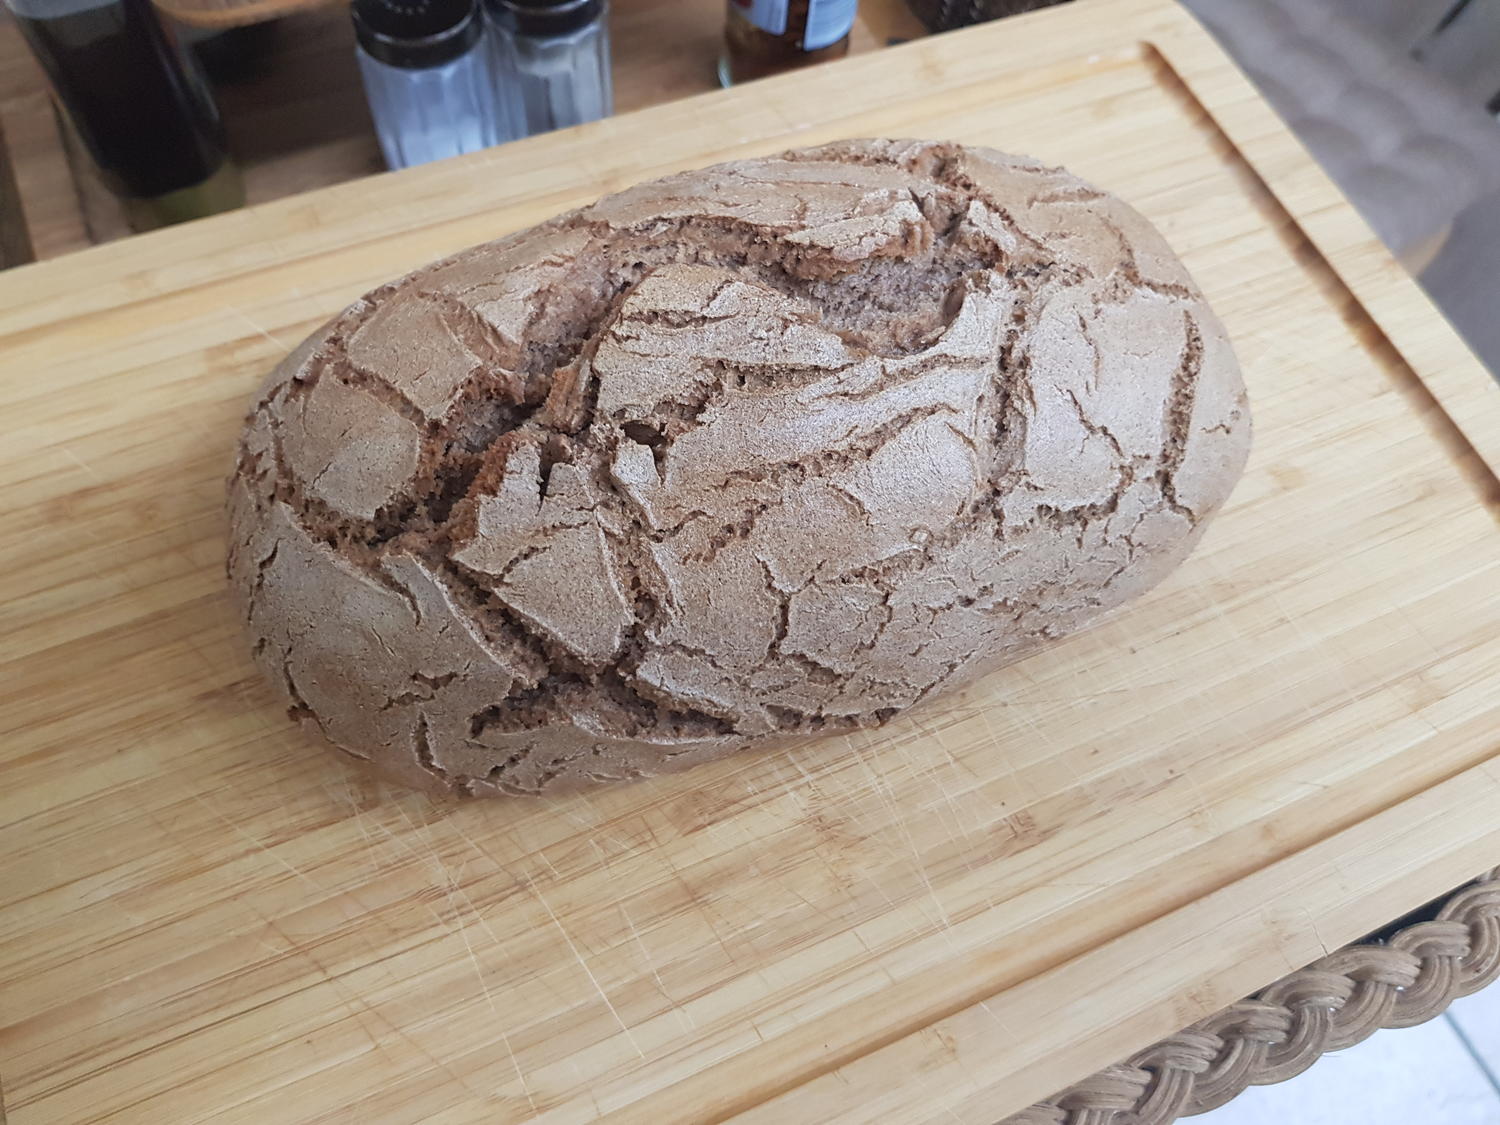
[(1405, 979)]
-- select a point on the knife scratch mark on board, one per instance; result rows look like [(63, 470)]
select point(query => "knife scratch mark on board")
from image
[(418, 858), (879, 784), (455, 885), (882, 788), (928, 768), (920, 867), (578, 956), (693, 897), (239, 312), (357, 1007), (592, 829), (501, 869), (479, 972), (449, 887), (1026, 791), (682, 1013), (541, 854), (358, 818), (1312, 924), (238, 831), (84, 465)]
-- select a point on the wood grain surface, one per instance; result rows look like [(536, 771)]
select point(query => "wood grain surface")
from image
[(202, 918)]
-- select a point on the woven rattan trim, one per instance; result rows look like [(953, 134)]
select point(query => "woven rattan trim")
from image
[(1404, 980)]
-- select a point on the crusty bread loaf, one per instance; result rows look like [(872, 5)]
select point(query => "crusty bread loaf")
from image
[(776, 447)]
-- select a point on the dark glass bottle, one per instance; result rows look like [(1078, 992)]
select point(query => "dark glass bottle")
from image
[(138, 104)]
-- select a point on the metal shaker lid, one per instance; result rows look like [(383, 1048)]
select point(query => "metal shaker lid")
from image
[(542, 18), (414, 34)]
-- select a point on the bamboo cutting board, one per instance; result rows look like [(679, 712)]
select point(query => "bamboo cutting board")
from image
[(1291, 742)]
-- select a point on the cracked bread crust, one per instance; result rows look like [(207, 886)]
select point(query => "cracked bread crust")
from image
[(776, 447)]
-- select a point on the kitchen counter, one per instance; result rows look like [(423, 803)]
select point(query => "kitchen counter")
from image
[(298, 121)]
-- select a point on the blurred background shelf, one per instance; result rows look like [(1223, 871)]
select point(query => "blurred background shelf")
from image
[(296, 115)]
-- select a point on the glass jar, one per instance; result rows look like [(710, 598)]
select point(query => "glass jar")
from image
[(764, 37)]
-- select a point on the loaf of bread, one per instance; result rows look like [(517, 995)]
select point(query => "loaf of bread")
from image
[(777, 447)]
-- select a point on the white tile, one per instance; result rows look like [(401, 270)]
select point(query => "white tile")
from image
[(1415, 1076), (1479, 1016)]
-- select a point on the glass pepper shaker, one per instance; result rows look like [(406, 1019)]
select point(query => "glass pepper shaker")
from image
[(426, 77), (551, 58), (763, 37)]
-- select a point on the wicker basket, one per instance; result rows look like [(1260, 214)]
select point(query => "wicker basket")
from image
[(944, 15), (1405, 976)]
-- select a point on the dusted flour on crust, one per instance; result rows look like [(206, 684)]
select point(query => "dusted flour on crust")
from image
[(776, 447)]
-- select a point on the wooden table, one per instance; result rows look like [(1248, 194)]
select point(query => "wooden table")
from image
[(299, 121), (1290, 743)]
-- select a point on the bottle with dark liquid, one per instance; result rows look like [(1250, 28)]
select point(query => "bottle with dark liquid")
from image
[(764, 37), (138, 104)]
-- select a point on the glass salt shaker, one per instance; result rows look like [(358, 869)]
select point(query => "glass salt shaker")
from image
[(427, 79), (551, 58)]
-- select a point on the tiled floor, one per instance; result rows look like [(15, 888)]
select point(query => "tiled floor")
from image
[(1442, 1073)]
